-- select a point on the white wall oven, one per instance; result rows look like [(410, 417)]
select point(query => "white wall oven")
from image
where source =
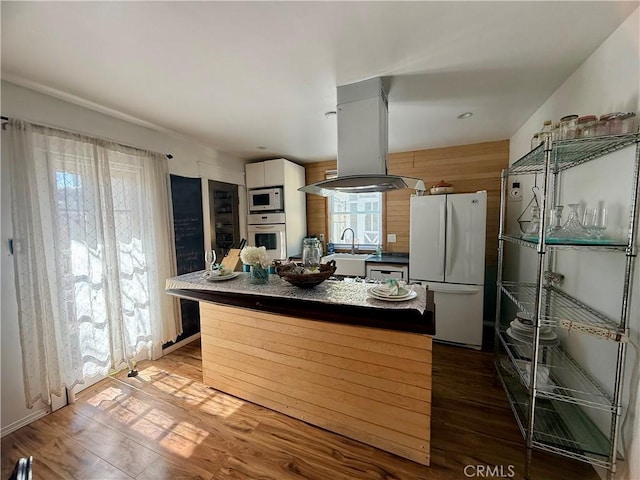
[(268, 230), (266, 200)]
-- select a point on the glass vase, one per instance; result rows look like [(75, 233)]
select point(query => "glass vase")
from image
[(258, 275), (573, 228), (555, 223)]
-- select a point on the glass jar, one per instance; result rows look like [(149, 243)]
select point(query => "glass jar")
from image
[(546, 131), (628, 120), (311, 253), (586, 126), (534, 141), (609, 119), (620, 123), (555, 131), (601, 127), (568, 126)]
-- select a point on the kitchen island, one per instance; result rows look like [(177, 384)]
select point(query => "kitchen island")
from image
[(331, 355)]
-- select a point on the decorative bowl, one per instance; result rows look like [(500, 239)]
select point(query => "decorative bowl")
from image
[(292, 274), (440, 190)]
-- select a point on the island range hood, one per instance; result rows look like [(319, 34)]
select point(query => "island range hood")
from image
[(362, 144)]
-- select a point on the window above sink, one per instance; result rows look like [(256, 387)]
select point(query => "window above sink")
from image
[(361, 212)]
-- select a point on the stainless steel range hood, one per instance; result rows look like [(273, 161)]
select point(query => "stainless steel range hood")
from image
[(362, 144)]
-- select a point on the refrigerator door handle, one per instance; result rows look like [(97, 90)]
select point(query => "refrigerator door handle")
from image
[(449, 244), (457, 290), (442, 238)]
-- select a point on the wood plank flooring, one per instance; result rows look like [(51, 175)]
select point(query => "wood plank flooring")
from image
[(165, 424)]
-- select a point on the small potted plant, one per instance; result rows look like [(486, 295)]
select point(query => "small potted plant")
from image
[(259, 263)]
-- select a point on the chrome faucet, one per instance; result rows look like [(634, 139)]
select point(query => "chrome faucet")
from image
[(353, 238)]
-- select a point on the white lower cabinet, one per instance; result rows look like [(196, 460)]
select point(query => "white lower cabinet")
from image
[(379, 271)]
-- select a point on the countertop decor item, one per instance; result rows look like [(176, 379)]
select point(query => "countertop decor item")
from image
[(255, 256), (303, 277), (258, 274), (259, 261), (441, 187), (213, 276)]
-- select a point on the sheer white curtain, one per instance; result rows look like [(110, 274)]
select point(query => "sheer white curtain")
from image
[(93, 245)]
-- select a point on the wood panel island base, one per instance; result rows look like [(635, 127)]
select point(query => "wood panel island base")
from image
[(371, 384)]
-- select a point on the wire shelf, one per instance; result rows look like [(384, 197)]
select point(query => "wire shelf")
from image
[(559, 427), (567, 381), (564, 311), (570, 153), (586, 244)]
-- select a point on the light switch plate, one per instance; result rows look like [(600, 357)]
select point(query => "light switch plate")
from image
[(391, 238)]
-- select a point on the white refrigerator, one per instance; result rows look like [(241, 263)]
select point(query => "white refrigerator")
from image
[(447, 254)]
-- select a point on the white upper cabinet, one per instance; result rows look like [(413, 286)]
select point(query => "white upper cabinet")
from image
[(255, 174), (269, 173)]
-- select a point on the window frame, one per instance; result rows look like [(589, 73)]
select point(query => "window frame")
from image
[(361, 246)]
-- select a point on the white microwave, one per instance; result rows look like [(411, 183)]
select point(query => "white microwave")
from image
[(266, 200)]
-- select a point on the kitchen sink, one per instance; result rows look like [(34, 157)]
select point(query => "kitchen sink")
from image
[(352, 264)]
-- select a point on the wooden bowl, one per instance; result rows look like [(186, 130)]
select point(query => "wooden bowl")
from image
[(305, 280)]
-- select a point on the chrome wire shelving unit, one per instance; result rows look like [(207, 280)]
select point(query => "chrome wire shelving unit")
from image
[(576, 244), (562, 370), (566, 311), (558, 427), (571, 153), (552, 396)]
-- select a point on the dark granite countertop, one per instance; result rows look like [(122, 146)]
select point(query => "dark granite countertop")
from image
[(333, 301), (394, 258)]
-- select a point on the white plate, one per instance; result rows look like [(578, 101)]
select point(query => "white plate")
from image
[(518, 326), (221, 278), (550, 339), (382, 294), (411, 296)]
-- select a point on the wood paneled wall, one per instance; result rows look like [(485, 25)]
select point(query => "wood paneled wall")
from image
[(468, 168)]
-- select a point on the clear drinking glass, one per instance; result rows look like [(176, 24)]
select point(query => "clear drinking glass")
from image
[(595, 221), (210, 258), (555, 225), (589, 220)]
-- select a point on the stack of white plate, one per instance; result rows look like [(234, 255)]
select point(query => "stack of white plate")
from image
[(523, 332), (380, 292)]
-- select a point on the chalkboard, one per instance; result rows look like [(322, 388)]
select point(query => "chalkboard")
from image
[(188, 224)]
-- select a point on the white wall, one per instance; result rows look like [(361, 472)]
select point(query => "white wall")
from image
[(189, 159), (608, 81)]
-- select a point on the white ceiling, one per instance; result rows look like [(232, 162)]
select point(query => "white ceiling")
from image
[(236, 75)]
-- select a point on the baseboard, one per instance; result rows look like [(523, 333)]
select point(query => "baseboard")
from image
[(180, 344), (24, 421), (455, 344)]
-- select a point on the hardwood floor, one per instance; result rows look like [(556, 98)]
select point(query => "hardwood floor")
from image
[(165, 424)]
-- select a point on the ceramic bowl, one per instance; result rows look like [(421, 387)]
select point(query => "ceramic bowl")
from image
[(440, 190)]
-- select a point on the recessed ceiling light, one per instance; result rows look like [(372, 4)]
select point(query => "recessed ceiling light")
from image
[(330, 113), (465, 115), (261, 147)]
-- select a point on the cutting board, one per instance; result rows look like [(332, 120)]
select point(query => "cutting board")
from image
[(232, 260)]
